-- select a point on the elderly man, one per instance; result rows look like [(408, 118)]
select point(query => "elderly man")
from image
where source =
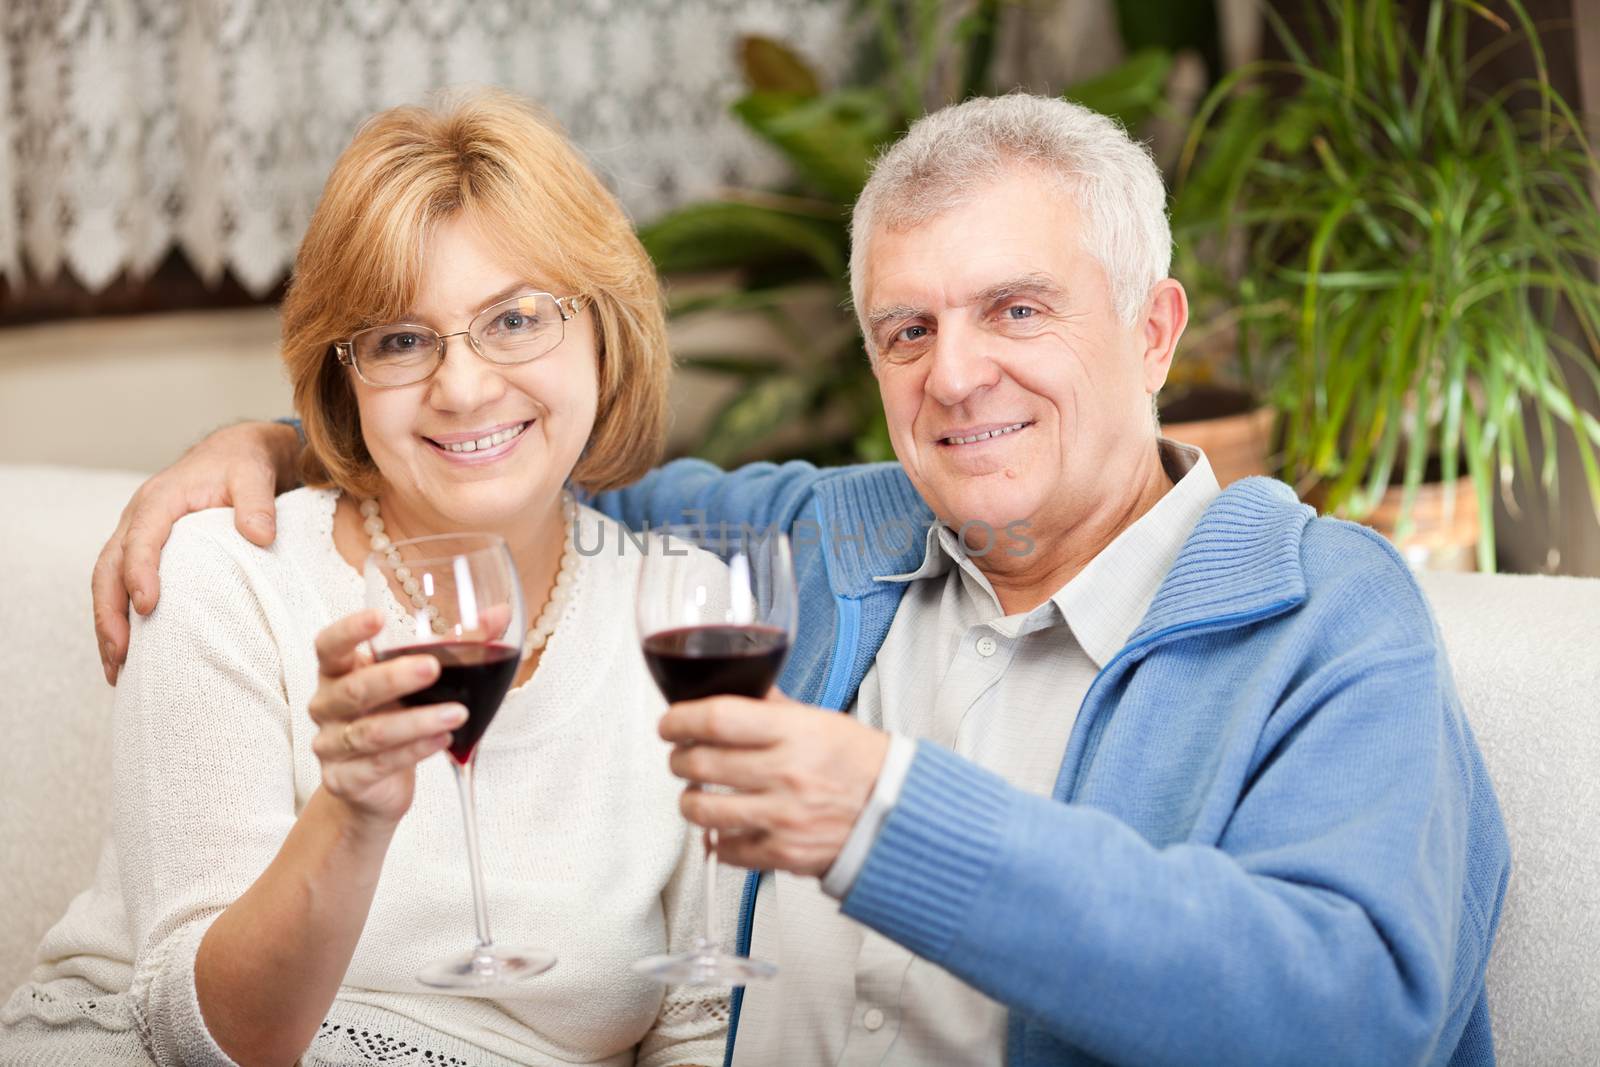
[(1134, 771)]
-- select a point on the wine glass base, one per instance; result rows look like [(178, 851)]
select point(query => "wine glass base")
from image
[(492, 968), (705, 968)]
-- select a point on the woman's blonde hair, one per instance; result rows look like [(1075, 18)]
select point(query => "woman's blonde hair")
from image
[(494, 159)]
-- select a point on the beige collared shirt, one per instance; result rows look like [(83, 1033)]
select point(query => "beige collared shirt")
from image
[(956, 670)]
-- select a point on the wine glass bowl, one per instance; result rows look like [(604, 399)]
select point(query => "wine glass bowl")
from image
[(716, 615), (457, 598), (694, 662)]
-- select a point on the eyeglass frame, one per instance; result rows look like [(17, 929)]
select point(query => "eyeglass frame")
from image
[(570, 307)]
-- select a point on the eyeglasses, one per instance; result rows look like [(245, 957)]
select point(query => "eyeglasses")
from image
[(513, 331)]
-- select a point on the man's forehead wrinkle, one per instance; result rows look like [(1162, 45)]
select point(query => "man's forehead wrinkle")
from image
[(1034, 281), (879, 316), (1031, 282)]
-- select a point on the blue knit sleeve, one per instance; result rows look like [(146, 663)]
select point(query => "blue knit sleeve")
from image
[(692, 490), (1341, 911)]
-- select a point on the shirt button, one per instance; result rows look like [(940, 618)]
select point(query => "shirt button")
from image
[(873, 1019), (987, 646)]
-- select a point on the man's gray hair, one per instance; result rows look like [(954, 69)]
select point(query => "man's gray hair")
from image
[(953, 153)]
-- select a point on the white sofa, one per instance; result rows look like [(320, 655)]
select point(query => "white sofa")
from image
[(1526, 652)]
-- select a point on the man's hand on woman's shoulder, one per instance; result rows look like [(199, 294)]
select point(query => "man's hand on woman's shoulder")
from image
[(241, 466)]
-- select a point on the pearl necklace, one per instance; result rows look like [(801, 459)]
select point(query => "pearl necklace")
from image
[(560, 593)]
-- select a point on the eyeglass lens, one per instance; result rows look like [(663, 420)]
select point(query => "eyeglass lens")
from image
[(513, 331)]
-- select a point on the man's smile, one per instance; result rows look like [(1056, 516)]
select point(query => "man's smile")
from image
[(971, 435)]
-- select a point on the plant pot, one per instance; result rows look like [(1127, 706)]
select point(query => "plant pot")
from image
[(1437, 541), (1237, 445)]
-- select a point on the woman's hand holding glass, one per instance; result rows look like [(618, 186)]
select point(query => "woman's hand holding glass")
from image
[(369, 745)]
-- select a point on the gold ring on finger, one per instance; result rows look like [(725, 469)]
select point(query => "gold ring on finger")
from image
[(349, 742)]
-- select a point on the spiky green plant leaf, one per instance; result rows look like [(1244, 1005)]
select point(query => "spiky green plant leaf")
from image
[(1423, 236)]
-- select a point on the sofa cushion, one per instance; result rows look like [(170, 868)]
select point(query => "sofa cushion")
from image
[(1526, 655), (54, 702)]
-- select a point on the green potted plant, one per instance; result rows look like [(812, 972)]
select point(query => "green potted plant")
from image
[(1407, 240)]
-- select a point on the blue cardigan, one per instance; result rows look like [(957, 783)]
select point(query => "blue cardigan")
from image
[(1272, 838)]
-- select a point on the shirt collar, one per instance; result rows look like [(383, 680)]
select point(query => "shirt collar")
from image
[(936, 558), (1105, 602)]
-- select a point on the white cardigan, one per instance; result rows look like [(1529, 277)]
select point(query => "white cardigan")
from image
[(584, 850)]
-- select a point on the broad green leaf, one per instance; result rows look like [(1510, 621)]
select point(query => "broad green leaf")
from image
[(830, 140), (773, 67), (720, 234)]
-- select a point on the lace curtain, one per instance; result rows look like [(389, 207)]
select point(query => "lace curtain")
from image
[(130, 126)]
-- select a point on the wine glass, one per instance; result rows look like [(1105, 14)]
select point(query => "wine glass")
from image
[(716, 614), (457, 598)]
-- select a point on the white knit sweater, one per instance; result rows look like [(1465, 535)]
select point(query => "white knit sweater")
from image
[(584, 850)]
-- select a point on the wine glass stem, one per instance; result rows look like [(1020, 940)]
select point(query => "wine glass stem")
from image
[(469, 811), (713, 936)]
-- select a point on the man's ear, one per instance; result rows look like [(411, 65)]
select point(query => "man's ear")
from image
[(1166, 313)]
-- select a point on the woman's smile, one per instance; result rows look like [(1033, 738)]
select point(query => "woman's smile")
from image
[(477, 447)]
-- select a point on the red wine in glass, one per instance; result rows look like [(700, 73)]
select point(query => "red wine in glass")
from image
[(716, 613), (476, 675), (693, 662), (457, 598)]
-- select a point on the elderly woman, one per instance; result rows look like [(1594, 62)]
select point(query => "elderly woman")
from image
[(286, 857)]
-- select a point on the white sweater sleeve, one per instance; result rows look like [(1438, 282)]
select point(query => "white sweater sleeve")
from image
[(204, 790)]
